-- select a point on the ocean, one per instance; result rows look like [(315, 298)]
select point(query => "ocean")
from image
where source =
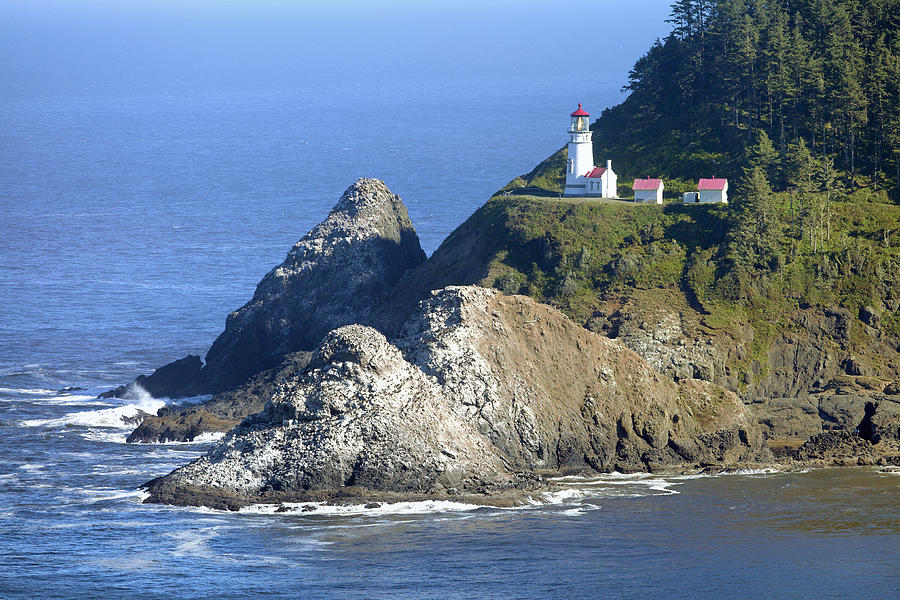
[(141, 202)]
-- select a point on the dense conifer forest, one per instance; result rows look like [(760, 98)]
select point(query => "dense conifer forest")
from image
[(797, 103), (782, 84)]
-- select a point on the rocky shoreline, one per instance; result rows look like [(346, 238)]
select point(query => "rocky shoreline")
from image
[(161, 491), (344, 380), (479, 394)]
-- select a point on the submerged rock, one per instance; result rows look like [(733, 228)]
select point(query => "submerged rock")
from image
[(478, 394)]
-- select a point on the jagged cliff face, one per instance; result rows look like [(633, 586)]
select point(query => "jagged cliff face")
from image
[(825, 358), (616, 270), (335, 275), (816, 376), (477, 394)]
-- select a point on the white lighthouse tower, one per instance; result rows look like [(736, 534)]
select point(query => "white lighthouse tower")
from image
[(582, 178), (581, 153)]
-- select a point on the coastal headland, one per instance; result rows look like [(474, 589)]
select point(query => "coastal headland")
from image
[(495, 364), (550, 335)]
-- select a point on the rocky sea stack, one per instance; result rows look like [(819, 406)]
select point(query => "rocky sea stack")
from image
[(337, 274), (478, 395), (334, 276)]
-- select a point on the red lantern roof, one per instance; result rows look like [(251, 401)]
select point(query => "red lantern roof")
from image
[(580, 112)]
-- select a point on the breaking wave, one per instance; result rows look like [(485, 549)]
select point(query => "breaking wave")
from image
[(383, 509), (620, 485), (125, 416)]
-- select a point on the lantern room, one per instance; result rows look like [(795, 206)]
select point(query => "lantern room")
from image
[(580, 120)]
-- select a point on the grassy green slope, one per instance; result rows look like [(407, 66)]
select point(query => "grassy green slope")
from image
[(591, 258)]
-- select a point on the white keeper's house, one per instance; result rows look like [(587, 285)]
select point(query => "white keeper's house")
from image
[(712, 190), (582, 177), (648, 191)]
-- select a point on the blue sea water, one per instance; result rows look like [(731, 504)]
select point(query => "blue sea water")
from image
[(142, 196)]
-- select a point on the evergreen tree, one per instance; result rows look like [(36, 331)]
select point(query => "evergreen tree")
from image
[(826, 72), (800, 167), (754, 231), (683, 19), (762, 153)]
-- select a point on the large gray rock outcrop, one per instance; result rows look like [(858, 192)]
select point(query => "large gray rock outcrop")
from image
[(335, 275), (874, 417), (184, 422), (477, 395), (660, 337), (338, 273)]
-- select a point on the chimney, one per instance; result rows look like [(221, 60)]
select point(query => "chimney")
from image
[(609, 165)]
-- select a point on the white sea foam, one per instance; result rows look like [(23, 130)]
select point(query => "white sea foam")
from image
[(570, 499), (194, 399), (105, 470), (613, 478), (764, 471), (103, 495), (105, 436), (62, 526), (113, 417), (53, 397), (81, 400), (663, 486), (208, 437), (632, 485), (560, 497), (204, 438), (27, 391), (567, 497), (32, 467), (385, 508), (692, 476), (578, 510), (194, 543)]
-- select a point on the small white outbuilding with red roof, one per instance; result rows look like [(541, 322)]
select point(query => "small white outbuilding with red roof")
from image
[(582, 177), (713, 190), (648, 190)]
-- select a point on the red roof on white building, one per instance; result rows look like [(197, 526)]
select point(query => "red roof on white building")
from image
[(580, 112), (596, 172), (712, 184), (646, 184)]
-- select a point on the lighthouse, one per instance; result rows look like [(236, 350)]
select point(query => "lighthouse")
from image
[(582, 177)]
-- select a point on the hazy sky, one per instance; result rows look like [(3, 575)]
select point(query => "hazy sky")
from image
[(82, 46)]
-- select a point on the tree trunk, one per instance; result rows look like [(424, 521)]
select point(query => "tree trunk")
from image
[(781, 139), (897, 164)]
